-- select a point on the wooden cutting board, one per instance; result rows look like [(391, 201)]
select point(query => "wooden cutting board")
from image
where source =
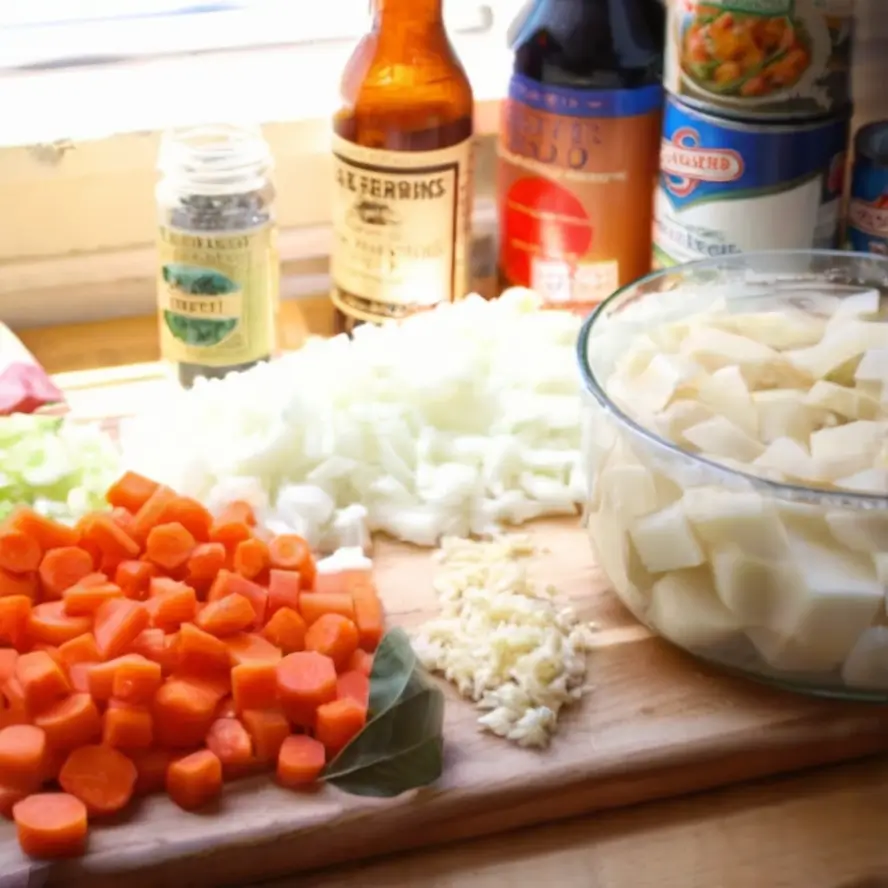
[(655, 724)]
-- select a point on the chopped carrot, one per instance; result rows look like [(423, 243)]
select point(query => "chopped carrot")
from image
[(183, 713), (16, 617), (153, 645), (205, 562), (51, 825), (254, 685), (354, 685), (71, 722), (238, 510), (85, 600), (22, 756), (131, 491), (101, 675), (49, 534), (245, 647), (201, 652), (9, 797), (217, 685), (19, 552), (13, 708), (49, 623), (8, 658), (291, 552), (96, 578), (286, 630), (151, 767), (117, 623), (300, 761), (251, 558), (123, 518), (313, 605), (230, 741), (360, 661), (169, 545), (228, 615), (43, 681), (170, 603), (284, 587), (195, 780), (78, 676), (190, 514), (228, 583), (335, 636), (230, 533), (305, 680), (268, 729), (128, 726), (150, 513), (134, 578), (348, 581), (136, 680), (19, 584), (226, 708), (370, 620), (52, 650), (112, 540), (101, 777), (337, 722)]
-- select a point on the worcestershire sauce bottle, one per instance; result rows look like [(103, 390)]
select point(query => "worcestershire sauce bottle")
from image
[(579, 146)]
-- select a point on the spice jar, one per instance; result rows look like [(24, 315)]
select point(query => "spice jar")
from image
[(218, 274)]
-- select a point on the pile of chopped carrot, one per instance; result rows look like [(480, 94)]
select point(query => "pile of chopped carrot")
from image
[(157, 647)]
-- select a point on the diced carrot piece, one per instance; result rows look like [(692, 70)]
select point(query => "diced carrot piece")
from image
[(194, 780), (134, 578), (284, 587), (48, 533), (370, 620), (136, 680), (51, 825), (19, 584), (16, 617), (268, 729), (9, 797), (217, 684), (71, 722), (289, 551), (201, 652), (337, 722), (334, 636), (254, 685), (183, 713), (101, 675), (169, 545), (313, 605), (8, 658), (245, 647), (22, 756), (128, 726), (78, 676), (228, 583), (170, 603), (117, 623), (354, 685), (300, 761), (238, 510), (155, 645), (13, 709), (131, 491), (42, 679), (19, 553), (251, 558), (286, 630), (82, 649), (96, 578), (305, 680), (101, 777), (124, 519), (150, 513), (228, 615), (53, 652), (113, 541), (343, 581), (205, 562), (361, 661), (190, 514), (151, 767), (230, 741), (85, 600), (226, 708), (230, 533)]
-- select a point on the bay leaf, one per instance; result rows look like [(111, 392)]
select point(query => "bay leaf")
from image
[(393, 664)]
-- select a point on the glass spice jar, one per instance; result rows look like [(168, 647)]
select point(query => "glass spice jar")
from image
[(218, 272)]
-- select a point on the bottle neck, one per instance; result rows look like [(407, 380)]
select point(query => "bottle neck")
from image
[(426, 12)]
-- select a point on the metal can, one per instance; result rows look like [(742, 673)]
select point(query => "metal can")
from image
[(867, 229), (754, 59), (726, 186)]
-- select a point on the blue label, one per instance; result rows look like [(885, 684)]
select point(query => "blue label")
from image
[(867, 230), (704, 159), (568, 102)]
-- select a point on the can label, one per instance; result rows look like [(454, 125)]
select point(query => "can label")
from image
[(867, 228), (575, 176), (730, 188), (401, 227), (217, 296), (761, 58)]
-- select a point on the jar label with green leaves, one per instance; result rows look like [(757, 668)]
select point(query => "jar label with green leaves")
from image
[(217, 296)]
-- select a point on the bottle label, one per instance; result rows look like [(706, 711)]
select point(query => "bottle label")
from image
[(401, 222), (576, 175), (217, 296)]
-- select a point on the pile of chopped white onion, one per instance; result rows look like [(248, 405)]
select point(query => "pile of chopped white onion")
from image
[(456, 422)]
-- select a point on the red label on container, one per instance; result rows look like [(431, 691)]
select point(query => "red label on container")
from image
[(575, 189)]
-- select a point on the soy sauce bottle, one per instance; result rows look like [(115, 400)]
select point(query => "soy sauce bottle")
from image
[(579, 147)]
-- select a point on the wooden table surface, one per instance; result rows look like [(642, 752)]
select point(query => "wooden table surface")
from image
[(820, 829)]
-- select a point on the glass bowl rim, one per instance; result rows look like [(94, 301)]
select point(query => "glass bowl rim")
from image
[(777, 489)]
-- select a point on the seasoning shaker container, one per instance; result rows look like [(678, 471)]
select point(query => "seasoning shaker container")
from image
[(218, 268)]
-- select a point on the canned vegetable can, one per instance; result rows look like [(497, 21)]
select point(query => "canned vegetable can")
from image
[(867, 230), (754, 59)]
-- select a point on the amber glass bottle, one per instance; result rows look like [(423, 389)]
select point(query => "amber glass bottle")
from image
[(402, 149), (578, 147)]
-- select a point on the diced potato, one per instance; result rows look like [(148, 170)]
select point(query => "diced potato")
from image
[(721, 437), (867, 664), (847, 449), (847, 402), (750, 587), (860, 531), (789, 457), (613, 551), (783, 413), (785, 329), (873, 367), (628, 492), (873, 480), (841, 344), (664, 540), (726, 393), (714, 348), (787, 654)]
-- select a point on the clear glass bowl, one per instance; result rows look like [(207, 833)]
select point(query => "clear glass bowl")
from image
[(790, 583)]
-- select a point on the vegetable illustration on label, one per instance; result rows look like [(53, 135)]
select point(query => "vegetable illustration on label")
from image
[(192, 317)]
